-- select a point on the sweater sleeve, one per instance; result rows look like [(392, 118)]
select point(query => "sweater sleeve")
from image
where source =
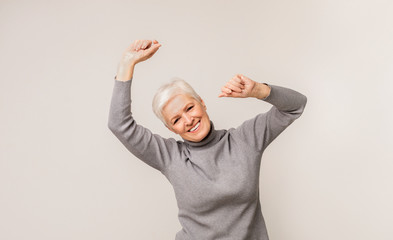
[(152, 149), (260, 131)]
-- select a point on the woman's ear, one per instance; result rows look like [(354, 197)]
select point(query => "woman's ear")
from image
[(203, 104)]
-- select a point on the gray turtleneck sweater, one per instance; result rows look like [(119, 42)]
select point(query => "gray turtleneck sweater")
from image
[(216, 181)]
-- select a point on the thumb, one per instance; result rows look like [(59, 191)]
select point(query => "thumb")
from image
[(156, 42), (156, 46), (153, 48), (221, 95)]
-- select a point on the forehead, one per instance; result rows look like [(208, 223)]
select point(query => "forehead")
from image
[(176, 104)]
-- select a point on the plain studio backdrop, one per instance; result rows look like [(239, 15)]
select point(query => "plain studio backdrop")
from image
[(64, 175)]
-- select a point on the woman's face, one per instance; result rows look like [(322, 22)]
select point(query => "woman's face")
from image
[(185, 116)]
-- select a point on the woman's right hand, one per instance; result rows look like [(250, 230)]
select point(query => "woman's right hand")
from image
[(138, 51)]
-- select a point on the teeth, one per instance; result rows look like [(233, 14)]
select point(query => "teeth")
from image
[(194, 128)]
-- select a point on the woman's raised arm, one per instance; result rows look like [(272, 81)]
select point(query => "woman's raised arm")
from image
[(260, 131), (150, 148)]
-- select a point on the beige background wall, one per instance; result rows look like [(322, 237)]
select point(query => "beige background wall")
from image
[(63, 175)]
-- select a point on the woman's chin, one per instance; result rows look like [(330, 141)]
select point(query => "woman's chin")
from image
[(201, 133)]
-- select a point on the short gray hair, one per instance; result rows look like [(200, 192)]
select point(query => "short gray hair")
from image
[(175, 87)]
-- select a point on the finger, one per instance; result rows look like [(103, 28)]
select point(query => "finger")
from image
[(246, 80), (141, 44), (223, 95), (236, 79), (152, 50), (138, 45), (241, 76), (232, 94), (225, 89), (233, 87), (237, 83), (236, 95), (146, 44), (149, 44), (244, 77)]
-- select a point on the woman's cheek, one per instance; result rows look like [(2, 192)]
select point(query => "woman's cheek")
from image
[(181, 127)]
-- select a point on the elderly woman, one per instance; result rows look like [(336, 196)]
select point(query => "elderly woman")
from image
[(214, 173)]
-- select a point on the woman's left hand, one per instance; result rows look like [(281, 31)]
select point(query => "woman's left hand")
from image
[(241, 86)]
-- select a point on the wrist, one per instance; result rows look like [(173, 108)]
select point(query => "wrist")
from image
[(127, 62), (125, 71), (262, 90)]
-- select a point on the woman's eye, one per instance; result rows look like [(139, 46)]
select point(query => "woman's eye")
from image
[(176, 121), (190, 108)]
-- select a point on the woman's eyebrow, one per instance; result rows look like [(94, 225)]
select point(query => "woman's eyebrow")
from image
[(184, 108)]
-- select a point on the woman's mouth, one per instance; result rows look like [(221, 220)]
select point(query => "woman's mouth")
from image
[(195, 128)]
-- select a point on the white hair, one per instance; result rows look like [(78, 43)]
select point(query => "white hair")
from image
[(175, 87)]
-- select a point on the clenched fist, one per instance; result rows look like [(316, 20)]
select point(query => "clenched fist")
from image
[(241, 86), (138, 51)]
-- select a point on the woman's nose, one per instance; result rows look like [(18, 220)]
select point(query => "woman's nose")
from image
[(188, 119)]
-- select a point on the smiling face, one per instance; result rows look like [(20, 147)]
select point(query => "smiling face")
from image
[(185, 116)]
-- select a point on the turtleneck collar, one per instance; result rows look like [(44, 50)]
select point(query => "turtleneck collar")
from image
[(212, 135)]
